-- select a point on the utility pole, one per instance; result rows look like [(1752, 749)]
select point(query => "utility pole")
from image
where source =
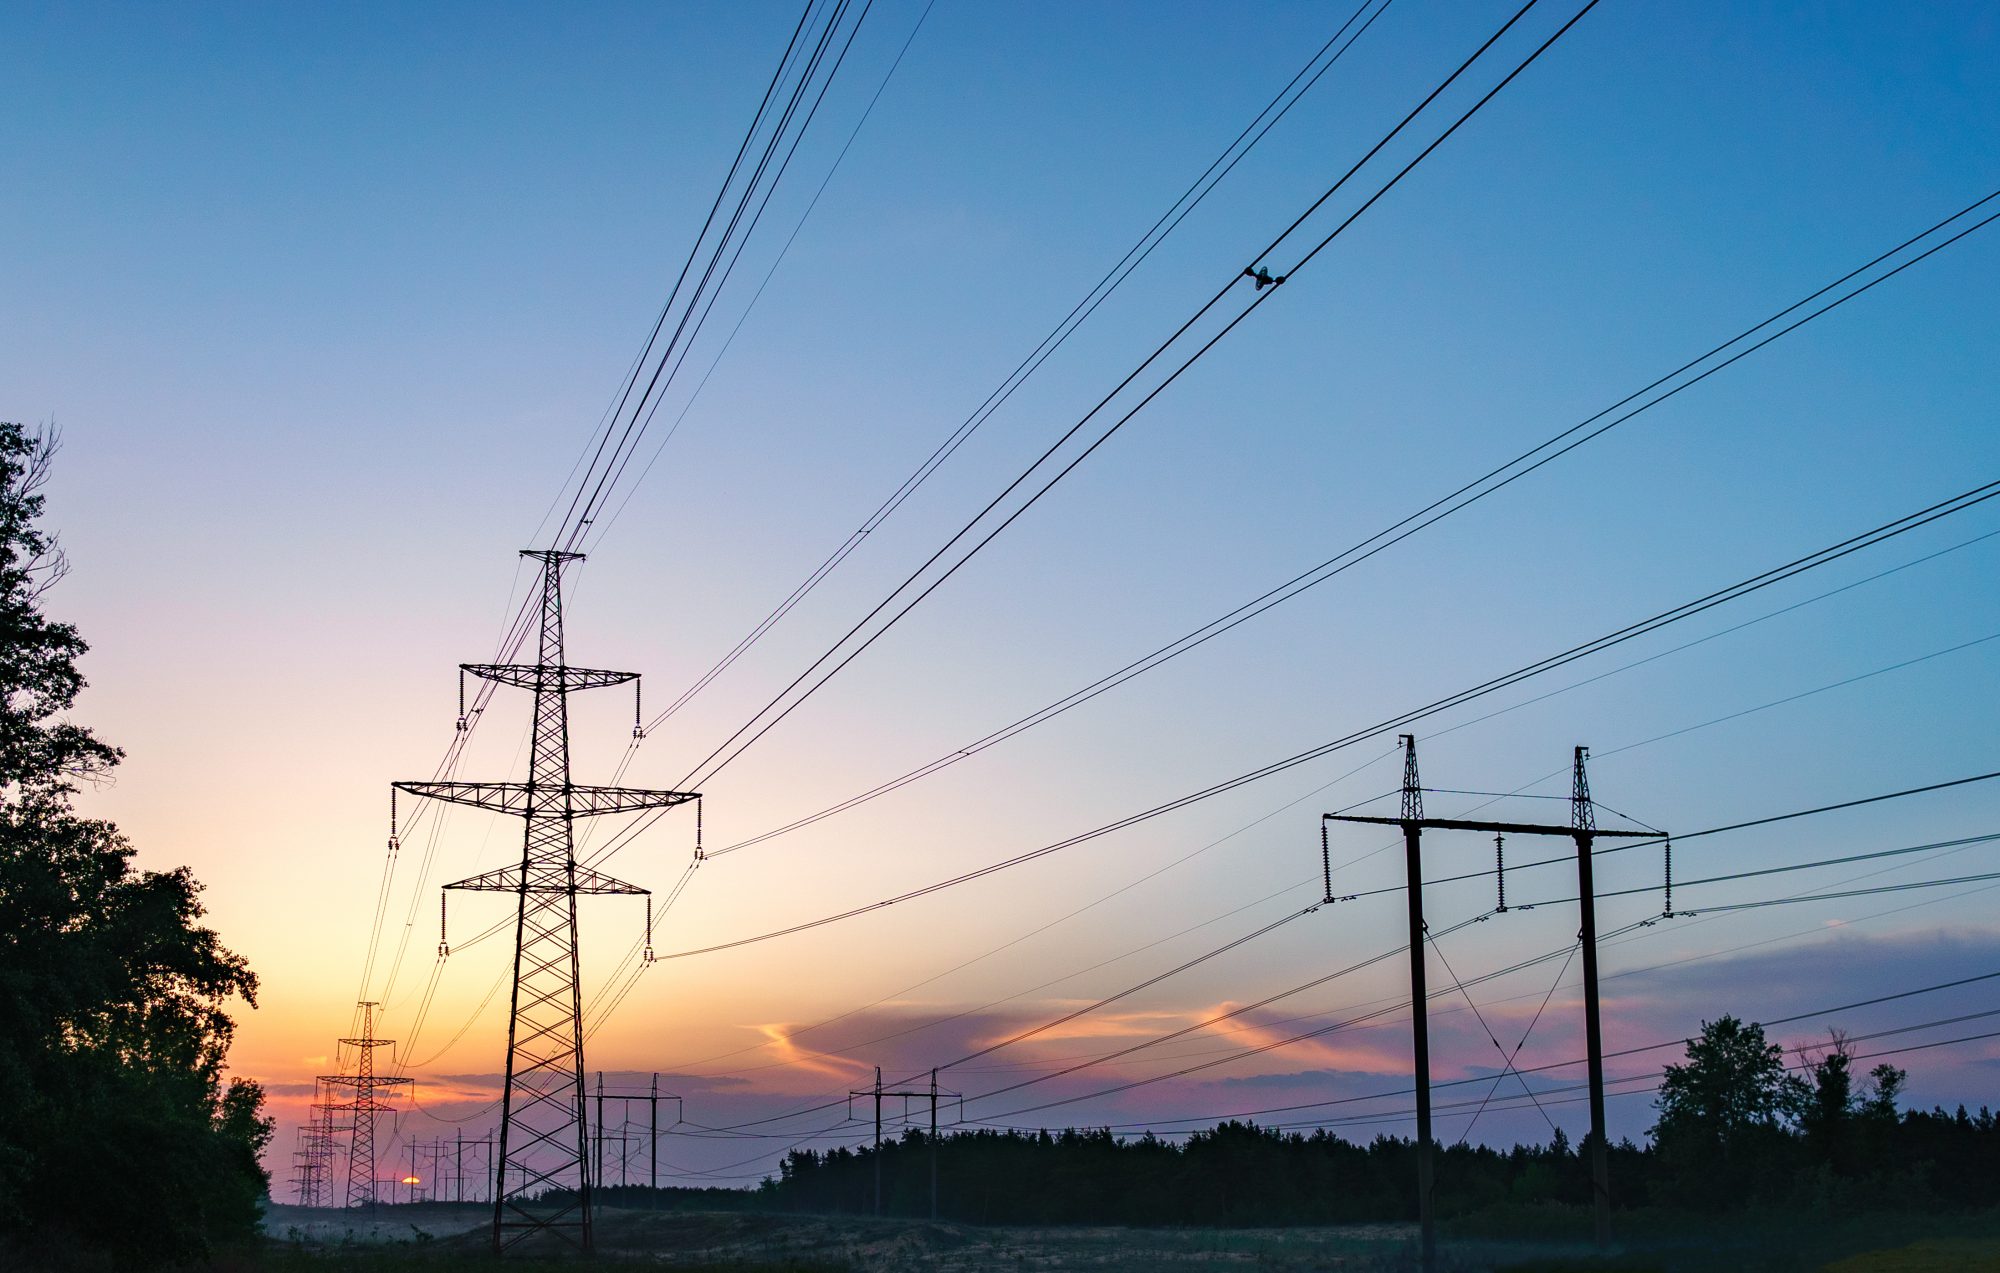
[(1412, 822), (542, 1171), (1583, 826), (435, 1153), (876, 1092), (1584, 831), (931, 1093), (652, 1096)]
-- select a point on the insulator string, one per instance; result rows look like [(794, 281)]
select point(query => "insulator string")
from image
[(1500, 869), (1667, 904), (1325, 861)]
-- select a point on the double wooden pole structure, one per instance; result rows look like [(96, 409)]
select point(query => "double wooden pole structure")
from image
[(932, 1094), (1583, 830), (652, 1098)]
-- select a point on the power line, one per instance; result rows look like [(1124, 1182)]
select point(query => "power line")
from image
[(1557, 1065), (901, 993), (1630, 933), (716, 760), (1466, 495), (1799, 813), (678, 352), (582, 507), (1244, 1054), (1134, 256), (1754, 583), (603, 527), (1462, 984), (1406, 1115), (694, 249), (1377, 1015)]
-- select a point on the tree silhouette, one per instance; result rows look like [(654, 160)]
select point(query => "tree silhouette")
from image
[(113, 1029)]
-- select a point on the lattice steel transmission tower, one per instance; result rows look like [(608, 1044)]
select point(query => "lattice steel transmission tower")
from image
[(367, 1103), (314, 1157), (542, 1172)]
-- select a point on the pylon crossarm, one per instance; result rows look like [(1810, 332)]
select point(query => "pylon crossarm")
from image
[(355, 1080), (529, 676), (1511, 828), (591, 801), (508, 880), (514, 797)]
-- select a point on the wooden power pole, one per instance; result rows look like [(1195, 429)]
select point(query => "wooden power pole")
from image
[(1584, 832)]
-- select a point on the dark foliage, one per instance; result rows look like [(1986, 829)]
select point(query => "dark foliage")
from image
[(1736, 1130), (113, 1032)]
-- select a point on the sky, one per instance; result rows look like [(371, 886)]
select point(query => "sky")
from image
[(326, 301)]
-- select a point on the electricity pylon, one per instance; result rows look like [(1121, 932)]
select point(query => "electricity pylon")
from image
[(542, 1171), (363, 1108), (314, 1157)]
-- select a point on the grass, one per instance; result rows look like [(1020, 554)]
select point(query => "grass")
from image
[(343, 1259), (1537, 1239)]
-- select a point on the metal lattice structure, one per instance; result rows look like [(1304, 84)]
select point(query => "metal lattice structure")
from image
[(542, 1172), (313, 1160), (369, 1089)]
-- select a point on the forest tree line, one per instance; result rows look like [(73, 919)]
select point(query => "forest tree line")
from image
[(1734, 1129)]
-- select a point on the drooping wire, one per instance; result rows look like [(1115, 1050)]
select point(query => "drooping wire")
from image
[(728, 243), (520, 626), (1134, 257), (748, 734), (694, 250), (1037, 931), (1463, 497), (1755, 583)]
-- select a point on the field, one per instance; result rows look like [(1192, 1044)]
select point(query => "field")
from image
[(446, 1239)]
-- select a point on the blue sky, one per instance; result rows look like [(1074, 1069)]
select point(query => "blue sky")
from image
[(327, 300)]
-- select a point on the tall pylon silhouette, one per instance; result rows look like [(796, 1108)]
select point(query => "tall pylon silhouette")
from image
[(542, 1170), (367, 1103)]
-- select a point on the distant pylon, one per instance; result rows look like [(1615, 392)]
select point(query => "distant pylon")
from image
[(367, 1103), (542, 1173), (314, 1157)]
